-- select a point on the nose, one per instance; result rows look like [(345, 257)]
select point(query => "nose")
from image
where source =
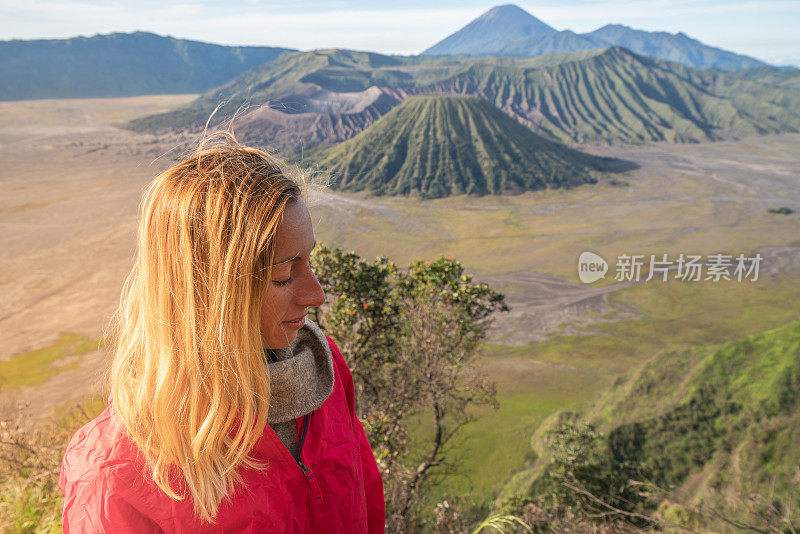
[(311, 292)]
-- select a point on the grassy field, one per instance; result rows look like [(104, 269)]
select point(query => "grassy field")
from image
[(34, 367), (570, 372)]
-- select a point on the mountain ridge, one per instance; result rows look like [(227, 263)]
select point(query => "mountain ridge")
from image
[(596, 96), (527, 39), (120, 64), (613, 94)]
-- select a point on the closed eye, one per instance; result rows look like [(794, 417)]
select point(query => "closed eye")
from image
[(282, 282)]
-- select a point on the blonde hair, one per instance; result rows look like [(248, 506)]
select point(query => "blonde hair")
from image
[(188, 378)]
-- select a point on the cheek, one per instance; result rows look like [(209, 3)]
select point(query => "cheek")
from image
[(272, 309)]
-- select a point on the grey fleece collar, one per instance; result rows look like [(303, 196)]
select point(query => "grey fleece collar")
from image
[(302, 377)]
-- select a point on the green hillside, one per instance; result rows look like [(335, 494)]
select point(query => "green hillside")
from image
[(786, 77), (281, 83), (598, 96), (718, 423), (438, 146), (258, 85), (614, 95)]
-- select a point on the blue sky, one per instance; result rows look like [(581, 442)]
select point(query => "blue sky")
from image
[(765, 29)]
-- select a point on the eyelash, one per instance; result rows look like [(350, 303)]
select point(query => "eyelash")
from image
[(282, 282)]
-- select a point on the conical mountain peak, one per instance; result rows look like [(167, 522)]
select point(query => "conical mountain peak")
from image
[(488, 33), (514, 16), (436, 145)]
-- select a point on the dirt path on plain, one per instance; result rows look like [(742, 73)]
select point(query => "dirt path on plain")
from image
[(544, 306)]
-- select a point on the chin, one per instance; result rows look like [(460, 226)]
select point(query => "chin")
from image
[(281, 342)]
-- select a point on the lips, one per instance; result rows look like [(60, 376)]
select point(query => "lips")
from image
[(295, 322)]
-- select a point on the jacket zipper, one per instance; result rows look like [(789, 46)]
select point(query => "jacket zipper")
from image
[(310, 476), (303, 466)]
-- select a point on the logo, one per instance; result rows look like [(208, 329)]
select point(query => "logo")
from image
[(591, 267)]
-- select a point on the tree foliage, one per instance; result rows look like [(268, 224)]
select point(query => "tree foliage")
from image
[(409, 336), (581, 457)]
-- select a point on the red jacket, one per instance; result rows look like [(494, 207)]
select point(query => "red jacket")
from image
[(340, 491)]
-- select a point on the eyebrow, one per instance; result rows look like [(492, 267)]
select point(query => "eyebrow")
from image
[(295, 257)]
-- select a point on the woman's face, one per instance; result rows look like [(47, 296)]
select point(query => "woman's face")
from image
[(293, 288)]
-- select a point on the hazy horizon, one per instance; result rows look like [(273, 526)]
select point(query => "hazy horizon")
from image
[(764, 30)]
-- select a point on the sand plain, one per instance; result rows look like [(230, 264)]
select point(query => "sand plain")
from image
[(72, 179)]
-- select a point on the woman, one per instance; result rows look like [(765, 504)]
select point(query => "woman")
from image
[(229, 410)]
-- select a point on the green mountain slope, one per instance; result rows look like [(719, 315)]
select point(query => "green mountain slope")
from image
[(438, 146), (120, 64), (287, 83), (716, 422), (597, 96), (258, 85), (614, 95), (290, 81), (788, 77)]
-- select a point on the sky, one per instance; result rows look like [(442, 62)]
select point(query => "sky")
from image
[(767, 29)]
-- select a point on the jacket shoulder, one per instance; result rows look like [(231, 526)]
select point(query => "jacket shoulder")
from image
[(332, 345), (101, 479), (339, 363), (97, 449)]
